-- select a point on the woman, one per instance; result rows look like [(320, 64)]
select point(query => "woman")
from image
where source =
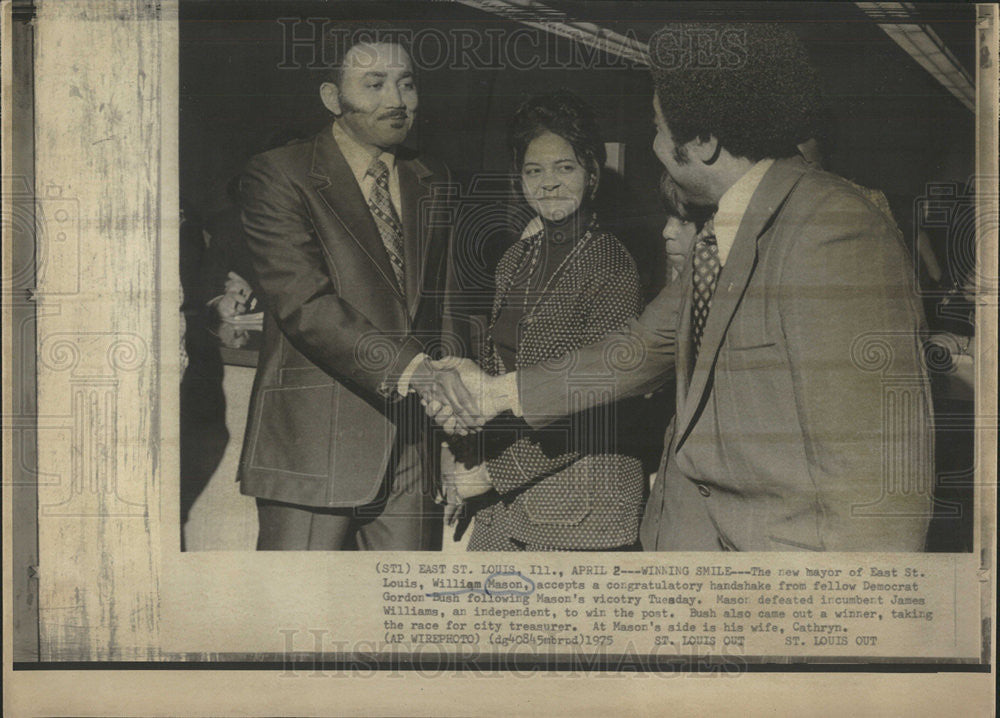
[(682, 227), (565, 284)]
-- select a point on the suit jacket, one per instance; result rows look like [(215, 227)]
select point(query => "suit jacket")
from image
[(338, 329), (569, 486), (805, 423)]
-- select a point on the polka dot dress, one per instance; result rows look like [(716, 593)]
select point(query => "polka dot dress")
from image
[(564, 487)]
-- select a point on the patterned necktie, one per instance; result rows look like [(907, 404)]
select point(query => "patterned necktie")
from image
[(386, 219), (705, 277)]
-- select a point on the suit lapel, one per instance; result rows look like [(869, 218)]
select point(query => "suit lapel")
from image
[(338, 188), (684, 345), (774, 188), (413, 189)]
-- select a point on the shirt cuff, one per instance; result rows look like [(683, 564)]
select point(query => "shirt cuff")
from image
[(403, 385)]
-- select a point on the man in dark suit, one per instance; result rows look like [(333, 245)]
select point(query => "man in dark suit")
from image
[(793, 335), (353, 279)]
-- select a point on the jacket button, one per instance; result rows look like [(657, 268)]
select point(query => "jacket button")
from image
[(704, 490)]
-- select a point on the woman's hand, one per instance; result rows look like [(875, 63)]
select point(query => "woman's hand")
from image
[(473, 482), (460, 483), (452, 501)]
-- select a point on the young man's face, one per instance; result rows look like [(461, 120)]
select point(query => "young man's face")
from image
[(377, 98), (687, 173)]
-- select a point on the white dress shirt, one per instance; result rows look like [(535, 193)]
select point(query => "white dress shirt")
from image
[(733, 205), (360, 159)]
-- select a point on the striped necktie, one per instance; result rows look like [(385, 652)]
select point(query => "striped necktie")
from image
[(386, 219), (704, 278)]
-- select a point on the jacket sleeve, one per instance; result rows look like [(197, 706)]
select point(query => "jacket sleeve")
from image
[(289, 261), (611, 300), (852, 329)]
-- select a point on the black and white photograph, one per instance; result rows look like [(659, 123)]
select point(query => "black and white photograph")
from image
[(513, 328), (399, 357)]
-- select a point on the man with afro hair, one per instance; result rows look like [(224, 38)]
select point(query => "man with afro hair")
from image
[(793, 335)]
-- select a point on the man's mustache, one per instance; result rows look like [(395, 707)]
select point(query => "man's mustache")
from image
[(349, 108)]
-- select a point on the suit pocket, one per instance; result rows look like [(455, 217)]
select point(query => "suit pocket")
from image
[(294, 429), (748, 358)]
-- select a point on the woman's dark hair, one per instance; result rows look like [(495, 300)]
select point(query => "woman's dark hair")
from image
[(561, 113), (756, 92)]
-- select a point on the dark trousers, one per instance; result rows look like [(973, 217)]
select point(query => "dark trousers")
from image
[(403, 517)]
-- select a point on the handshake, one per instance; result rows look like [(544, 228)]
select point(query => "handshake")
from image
[(459, 395)]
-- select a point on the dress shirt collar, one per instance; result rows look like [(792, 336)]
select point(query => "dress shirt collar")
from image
[(733, 206), (358, 158)]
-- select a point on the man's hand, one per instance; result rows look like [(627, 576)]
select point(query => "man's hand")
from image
[(228, 305), (237, 300), (235, 284), (479, 397), (445, 395), (232, 336), (493, 394)]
